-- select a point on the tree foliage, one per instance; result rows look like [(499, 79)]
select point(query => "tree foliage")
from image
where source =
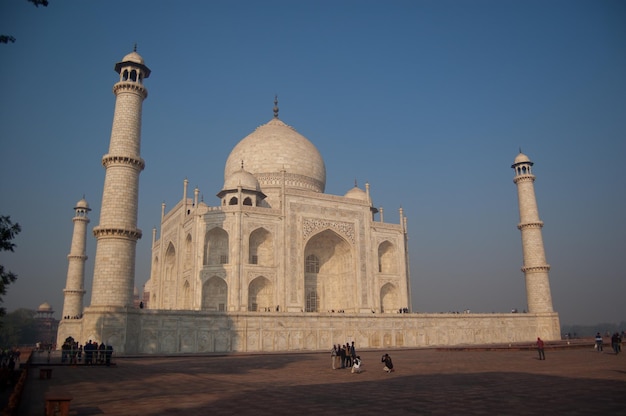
[(18, 328), (8, 231), (36, 3), (7, 39)]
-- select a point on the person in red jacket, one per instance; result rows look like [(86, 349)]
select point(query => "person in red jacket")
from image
[(542, 355)]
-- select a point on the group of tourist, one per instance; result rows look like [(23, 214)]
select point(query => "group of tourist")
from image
[(344, 356), (10, 358), (616, 342), (94, 353)]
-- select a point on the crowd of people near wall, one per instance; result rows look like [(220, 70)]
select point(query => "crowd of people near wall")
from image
[(10, 358), (92, 353)]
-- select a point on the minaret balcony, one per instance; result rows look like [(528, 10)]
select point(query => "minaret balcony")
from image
[(536, 269), (108, 160), (131, 86), (131, 234), (537, 224)]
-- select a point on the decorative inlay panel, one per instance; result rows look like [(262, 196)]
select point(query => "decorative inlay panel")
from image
[(271, 276), (312, 225), (205, 274)]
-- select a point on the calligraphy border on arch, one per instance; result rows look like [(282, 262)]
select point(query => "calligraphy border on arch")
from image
[(312, 225), (271, 276), (207, 274), (391, 239)]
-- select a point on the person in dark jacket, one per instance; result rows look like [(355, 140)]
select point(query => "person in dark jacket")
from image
[(388, 364)]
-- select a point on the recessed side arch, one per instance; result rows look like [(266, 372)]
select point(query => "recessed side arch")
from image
[(261, 246), (216, 247), (169, 278), (188, 252), (260, 295), (387, 258), (389, 298), (215, 294)]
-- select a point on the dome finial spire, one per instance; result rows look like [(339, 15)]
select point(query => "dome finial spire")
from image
[(275, 106), (135, 47)]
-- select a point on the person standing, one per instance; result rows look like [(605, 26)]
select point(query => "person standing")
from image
[(109, 353), (342, 354), (542, 355), (333, 356), (598, 342), (615, 341), (352, 352), (388, 364), (101, 353), (348, 356)]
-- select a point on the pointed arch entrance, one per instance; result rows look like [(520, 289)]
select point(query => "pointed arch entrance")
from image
[(329, 274)]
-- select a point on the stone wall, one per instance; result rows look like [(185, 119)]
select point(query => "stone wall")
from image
[(137, 331)]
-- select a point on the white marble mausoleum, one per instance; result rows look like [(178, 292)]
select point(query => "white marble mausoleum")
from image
[(275, 264)]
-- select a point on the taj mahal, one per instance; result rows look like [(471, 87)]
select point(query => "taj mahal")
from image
[(275, 264)]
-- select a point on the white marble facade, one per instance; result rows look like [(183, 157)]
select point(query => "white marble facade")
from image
[(276, 241)]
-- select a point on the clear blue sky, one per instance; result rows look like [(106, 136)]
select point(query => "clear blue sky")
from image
[(428, 101)]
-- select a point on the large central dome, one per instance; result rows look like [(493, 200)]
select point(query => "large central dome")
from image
[(273, 148)]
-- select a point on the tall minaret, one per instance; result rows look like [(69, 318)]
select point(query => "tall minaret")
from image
[(117, 234), (74, 286), (535, 266)]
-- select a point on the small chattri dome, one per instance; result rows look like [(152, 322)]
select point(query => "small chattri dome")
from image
[(521, 158), (357, 193), (82, 204), (44, 307), (135, 60), (133, 57), (241, 178)]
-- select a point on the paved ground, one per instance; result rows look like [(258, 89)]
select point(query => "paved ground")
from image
[(426, 382)]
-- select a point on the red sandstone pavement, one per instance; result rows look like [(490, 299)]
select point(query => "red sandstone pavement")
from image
[(426, 382)]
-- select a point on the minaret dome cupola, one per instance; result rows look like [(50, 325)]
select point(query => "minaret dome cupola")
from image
[(132, 68), (82, 208), (522, 165)]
